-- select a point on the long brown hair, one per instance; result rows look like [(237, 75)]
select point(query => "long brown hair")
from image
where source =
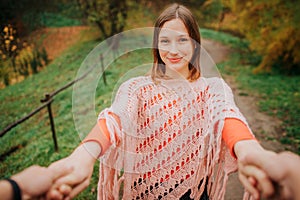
[(176, 11)]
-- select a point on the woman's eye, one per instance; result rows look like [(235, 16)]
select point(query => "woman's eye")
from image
[(164, 41), (182, 40)]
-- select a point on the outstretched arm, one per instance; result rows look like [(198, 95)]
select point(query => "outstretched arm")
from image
[(82, 161), (241, 142)]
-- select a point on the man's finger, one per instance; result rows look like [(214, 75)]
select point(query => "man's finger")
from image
[(65, 189), (248, 186), (78, 189), (54, 194), (264, 183)]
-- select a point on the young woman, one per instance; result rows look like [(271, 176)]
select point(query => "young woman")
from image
[(171, 135)]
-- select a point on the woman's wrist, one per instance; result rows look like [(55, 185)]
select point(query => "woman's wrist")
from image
[(91, 149), (244, 147)]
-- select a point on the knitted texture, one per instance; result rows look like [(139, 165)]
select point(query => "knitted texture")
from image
[(169, 140)]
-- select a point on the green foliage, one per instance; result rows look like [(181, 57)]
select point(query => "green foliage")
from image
[(12, 10), (29, 15), (48, 19), (109, 15), (4, 74), (206, 12), (211, 11), (30, 60), (272, 28), (278, 95)]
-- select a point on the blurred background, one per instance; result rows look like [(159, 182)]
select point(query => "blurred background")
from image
[(43, 43)]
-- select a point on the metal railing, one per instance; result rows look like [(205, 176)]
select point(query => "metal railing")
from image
[(47, 101)]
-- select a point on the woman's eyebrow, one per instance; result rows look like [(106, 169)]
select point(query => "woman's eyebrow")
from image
[(182, 35), (163, 37)]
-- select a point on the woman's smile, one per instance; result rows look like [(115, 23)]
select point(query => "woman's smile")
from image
[(175, 60)]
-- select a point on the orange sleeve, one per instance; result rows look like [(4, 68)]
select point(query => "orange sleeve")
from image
[(235, 130), (100, 134)]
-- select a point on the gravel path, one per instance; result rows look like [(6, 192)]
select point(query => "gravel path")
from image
[(262, 125)]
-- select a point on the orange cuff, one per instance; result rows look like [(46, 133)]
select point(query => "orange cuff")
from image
[(235, 130), (100, 134)]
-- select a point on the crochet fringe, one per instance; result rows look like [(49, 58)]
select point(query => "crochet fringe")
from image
[(170, 140)]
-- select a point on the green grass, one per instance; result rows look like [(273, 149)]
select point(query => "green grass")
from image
[(279, 97), (224, 38)]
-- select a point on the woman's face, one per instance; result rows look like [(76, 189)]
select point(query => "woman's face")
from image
[(175, 47)]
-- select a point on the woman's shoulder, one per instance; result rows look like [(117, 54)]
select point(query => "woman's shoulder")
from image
[(216, 84), (136, 82), (213, 81)]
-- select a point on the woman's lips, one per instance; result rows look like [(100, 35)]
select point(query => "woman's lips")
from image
[(174, 60)]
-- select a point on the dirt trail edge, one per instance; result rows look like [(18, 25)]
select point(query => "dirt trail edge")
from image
[(262, 125)]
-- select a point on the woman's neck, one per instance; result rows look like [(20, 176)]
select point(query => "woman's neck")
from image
[(183, 74)]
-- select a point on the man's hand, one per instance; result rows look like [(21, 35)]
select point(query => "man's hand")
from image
[(281, 168), (36, 180)]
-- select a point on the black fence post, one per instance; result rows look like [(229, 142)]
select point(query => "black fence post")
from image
[(49, 98)]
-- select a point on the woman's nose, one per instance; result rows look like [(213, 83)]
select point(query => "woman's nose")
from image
[(173, 48)]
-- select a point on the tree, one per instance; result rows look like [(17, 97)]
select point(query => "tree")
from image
[(272, 28), (109, 15)]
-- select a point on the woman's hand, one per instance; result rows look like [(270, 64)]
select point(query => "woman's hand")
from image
[(255, 180), (82, 161)]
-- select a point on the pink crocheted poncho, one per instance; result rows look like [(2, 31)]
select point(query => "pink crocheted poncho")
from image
[(169, 140)]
